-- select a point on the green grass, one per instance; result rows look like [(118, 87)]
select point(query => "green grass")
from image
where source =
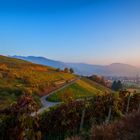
[(97, 85), (6, 99), (82, 88)]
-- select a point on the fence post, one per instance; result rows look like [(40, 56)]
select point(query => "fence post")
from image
[(83, 116), (139, 107), (128, 103), (82, 119), (109, 114)]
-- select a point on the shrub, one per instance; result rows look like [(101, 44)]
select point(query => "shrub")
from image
[(127, 128), (17, 123)]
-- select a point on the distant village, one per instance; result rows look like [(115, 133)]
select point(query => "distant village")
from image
[(133, 80)]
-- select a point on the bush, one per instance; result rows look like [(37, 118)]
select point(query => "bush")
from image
[(126, 129), (17, 123)]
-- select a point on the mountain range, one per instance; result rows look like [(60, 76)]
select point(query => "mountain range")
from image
[(115, 69)]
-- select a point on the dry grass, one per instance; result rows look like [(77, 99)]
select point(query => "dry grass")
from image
[(128, 128)]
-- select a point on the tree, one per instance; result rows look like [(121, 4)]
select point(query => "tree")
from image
[(71, 70), (98, 79), (117, 85), (58, 69), (95, 78), (113, 87), (102, 81), (66, 70)]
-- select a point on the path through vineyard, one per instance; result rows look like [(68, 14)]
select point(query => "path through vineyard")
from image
[(46, 104)]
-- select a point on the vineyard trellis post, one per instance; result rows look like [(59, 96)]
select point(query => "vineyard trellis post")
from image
[(83, 116), (128, 103), (139, 107), (109, 114), (110, 110)]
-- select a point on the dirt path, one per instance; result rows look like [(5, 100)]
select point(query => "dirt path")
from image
[(46, 104)]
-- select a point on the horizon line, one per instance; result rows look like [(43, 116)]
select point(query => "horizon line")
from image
[(137, 66)]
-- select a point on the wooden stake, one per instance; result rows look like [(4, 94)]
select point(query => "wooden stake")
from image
[(109, 114), (128, 103)]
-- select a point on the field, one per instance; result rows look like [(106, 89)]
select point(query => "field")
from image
[(18, 76), (80, 89)]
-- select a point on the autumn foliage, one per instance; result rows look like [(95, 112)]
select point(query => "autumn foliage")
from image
[(64, 120), (17, 121)]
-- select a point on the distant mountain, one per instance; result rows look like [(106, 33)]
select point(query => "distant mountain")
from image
[(115, 69), (42, 61)]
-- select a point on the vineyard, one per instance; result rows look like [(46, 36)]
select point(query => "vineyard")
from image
[(73, 117), (17, 76), (80, 89), (21, 85)]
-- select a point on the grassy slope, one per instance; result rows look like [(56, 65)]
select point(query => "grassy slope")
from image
[(82, 88), (17, 76)]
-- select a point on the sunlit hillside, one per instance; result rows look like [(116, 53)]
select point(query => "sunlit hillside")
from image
[(80, 89), (18, 76)]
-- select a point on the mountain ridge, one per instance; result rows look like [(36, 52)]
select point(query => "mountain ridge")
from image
[(114, 69)]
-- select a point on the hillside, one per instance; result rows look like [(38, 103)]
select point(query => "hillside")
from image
[(18, 76), (115, 69), (80, 89)]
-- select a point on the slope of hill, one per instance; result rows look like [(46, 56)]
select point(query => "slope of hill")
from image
[(115, 69), (82, 88), (18, 76)]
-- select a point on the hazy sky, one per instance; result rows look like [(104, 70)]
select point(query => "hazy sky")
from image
[(92, 31)]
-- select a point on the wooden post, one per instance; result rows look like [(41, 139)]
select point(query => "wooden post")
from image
[(83, 115), (139, 107), (109, 114), (128, 103), (82, 119)]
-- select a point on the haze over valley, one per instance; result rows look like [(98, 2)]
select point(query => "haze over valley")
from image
[(115, 69)]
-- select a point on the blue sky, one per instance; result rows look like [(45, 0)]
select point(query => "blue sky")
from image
[(91, 31)]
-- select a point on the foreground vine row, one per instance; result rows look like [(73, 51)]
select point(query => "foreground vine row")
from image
[(65, 120)]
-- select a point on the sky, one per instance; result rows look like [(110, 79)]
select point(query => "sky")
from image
[(90, 31)]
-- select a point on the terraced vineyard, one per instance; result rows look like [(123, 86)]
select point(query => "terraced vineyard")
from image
[(17, 76), (80, 89)]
